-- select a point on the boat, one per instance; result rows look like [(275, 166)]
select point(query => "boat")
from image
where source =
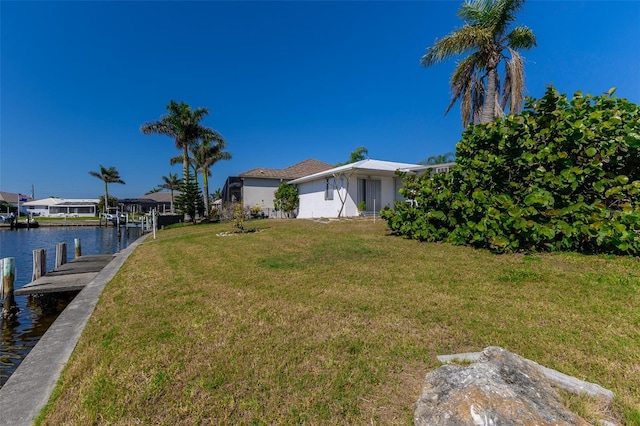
[(29, 223)]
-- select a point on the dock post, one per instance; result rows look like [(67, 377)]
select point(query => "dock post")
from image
[(9, 309), (61, 254), (78, 247), (39, 263), (154, 223)]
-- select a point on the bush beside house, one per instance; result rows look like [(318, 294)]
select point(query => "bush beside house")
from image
[(564, 175)]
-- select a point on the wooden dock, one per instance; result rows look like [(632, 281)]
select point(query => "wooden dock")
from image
[(72, 276)]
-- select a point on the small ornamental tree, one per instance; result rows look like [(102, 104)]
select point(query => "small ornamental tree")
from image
[(286, 199), (562, 176), (190, 201)]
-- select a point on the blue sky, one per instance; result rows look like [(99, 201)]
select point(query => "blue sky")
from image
[(284, 81)]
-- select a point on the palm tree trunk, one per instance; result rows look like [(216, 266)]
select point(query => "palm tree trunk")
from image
[(205, 184), (489, 108), (185, 173), (171, 200), (105, 208), (105, 205), (185, 163)]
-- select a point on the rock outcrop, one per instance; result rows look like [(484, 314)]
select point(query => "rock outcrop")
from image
[(501, 388)]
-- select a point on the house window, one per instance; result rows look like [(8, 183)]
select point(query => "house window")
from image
[(328, 190)]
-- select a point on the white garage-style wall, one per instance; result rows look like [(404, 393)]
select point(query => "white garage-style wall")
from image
[(371, 181)]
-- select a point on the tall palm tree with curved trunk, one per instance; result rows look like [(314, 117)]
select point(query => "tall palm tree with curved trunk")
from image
[(182, 124), (107, 175), (476, 80), (206, 154), (171, 182)]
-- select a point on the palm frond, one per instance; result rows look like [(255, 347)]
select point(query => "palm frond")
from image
[(497, 110), (456, 43), (504, 13), (473, 11), (506, 90), (178, 159), (513, 94), (477, 100), (207, 134), (466, 105), (199, 113), (521, 37), (157, 127), (472, 99), (492, 14), (462, 79)]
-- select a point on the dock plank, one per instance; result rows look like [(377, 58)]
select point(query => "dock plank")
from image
[(72, 276)]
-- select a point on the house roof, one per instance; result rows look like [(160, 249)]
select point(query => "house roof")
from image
[(296, 171), (11, 197), (54, 201), (378, 166), (160, 197)]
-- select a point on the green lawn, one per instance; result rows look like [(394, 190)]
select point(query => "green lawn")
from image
[(335, 323)]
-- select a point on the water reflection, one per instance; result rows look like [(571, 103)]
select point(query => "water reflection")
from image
[(36, 314)]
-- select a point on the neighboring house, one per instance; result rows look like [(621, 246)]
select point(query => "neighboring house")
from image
[(161, 201), (257, 186), (442, 167), (338, 191), (54, 206), (232, 190), (15, 200)]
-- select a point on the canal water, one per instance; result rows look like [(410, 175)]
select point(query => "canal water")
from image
[(36, 315)]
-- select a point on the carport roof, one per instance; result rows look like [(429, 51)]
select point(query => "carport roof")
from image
[(387, 167)]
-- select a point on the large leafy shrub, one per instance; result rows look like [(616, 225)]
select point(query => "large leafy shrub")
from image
[(562, 175)]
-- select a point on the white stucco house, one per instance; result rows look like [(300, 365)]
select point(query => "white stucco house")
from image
[(336, 192), (54, 206)]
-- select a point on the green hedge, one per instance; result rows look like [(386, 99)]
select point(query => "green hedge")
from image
[(561, 176)]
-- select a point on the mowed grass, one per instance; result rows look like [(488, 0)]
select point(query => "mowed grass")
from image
[(334, 323)]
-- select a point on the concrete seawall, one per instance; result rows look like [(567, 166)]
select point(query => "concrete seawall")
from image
[(29, 388)]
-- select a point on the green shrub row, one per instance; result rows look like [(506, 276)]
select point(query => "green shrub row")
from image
[(561, 176)]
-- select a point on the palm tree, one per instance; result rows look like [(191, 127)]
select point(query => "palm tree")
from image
[(217, 194), (476, 80), (447, 157), (107, 175), (171, 182), (183, 124), (359, 154), (191, 163), (206, 154)]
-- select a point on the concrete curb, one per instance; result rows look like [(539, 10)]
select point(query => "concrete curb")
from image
[(29, 388)]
